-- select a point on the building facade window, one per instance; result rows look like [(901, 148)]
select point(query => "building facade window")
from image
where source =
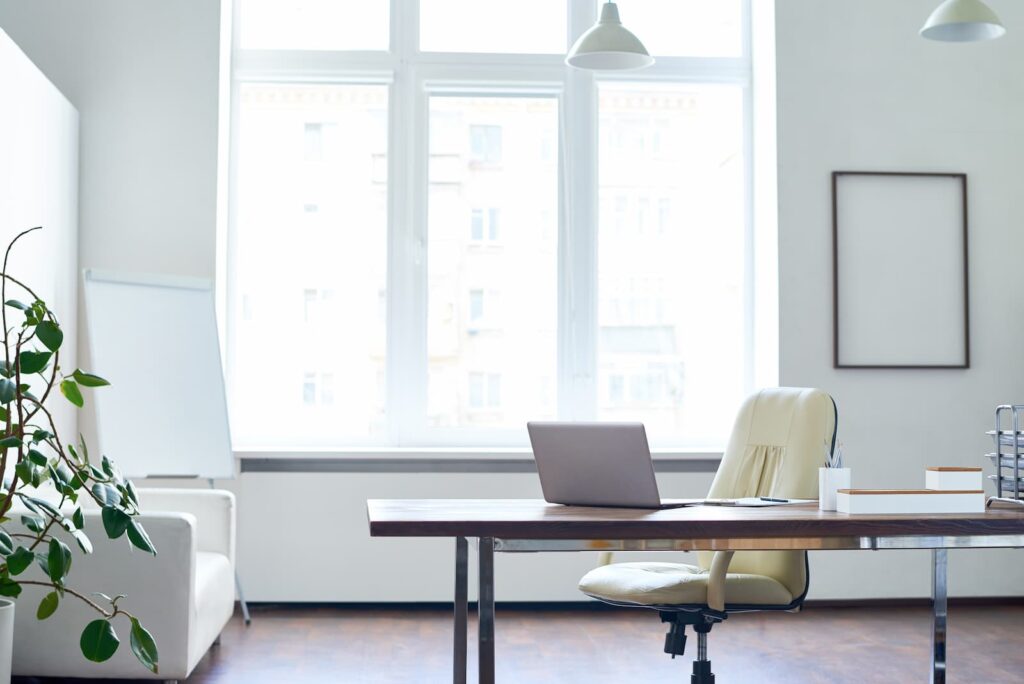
[(611, 212)]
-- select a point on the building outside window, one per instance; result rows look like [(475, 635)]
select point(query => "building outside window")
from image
[(624, 268), (485, 144)]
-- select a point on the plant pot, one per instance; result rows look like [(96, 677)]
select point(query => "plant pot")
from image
[(6, 640)]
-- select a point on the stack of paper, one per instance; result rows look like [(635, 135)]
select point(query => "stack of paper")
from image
[(1006, 437), (910, 501)]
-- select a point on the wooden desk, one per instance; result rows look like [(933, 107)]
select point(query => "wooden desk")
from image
[(512, 525)]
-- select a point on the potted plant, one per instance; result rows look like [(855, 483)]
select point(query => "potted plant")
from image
[(47, 479)]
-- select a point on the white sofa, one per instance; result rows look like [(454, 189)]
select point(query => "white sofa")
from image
[(184, 595)]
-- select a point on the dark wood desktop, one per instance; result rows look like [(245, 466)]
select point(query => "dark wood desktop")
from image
[(511, 525)]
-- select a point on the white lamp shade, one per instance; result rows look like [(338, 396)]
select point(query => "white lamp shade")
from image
[(961, 21), (608, 45)]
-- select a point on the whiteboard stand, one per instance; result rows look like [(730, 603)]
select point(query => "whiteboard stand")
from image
[(155, 338)]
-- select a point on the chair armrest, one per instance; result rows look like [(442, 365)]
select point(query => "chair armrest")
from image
[(214, 510), (716, 579)]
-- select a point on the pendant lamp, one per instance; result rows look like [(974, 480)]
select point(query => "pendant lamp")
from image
[(962, 21), (608, 46)]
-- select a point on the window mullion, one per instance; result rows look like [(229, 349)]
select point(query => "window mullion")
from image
[(578, 251), (406, 364), (577, 317)]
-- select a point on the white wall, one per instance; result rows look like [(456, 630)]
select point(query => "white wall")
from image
[(854, 92), (144, 76), (859, 90), (39, 187)]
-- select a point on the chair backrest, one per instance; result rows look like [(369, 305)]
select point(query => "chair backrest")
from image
[(778, 442)]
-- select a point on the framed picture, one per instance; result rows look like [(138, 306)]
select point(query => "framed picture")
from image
[(899, 269)]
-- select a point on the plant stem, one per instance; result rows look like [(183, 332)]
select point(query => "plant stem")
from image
[(92, 604), (3, 290)]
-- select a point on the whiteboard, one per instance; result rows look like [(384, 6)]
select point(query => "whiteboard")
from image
[(155, 339)]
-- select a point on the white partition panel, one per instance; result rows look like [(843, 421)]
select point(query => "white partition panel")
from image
[(39, 187)]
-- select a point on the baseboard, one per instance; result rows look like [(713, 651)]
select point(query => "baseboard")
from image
[(914, 602), (597, 606)]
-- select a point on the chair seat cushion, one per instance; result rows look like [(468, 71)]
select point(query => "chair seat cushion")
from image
[(653, 584)]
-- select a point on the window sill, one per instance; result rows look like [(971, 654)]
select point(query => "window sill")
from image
[(438, 459), (462, 453)]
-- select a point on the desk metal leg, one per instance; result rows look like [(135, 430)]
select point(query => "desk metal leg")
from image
[(461, 608), (486, 611), (939, 616)]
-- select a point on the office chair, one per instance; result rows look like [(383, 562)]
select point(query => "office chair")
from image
[(778, 442)]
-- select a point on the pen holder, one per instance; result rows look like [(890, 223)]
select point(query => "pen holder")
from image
[(829, 481)]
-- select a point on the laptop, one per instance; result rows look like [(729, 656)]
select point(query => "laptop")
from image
[(597, 464)]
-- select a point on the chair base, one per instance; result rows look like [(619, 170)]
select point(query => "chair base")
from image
[(702, 673), (675, 640)]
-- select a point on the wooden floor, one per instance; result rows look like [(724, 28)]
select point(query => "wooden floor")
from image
[(287, 644)]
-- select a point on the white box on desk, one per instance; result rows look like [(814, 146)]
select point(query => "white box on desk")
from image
[(909, 501), (949, 478)]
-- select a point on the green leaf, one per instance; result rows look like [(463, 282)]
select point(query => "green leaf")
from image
[(33, 522), (137, 535), (6, 544), (33, 361), (88, 379), (37, 505), (115, 521), (129, 489), (69, 388), (78, 518), (8, 391), (50, 334), (83, 540), (58, 560), (106, 494), (6, 371), (9, 587), (48, 606), (11, 441), (99, 641), (43, 561), (41, 435), (108, 467), (44, 507), (37, 457), (15, 304), (144, 646), (24, 471), (30, 503), (18, 561)]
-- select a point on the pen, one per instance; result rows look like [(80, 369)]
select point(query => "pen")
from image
[(768, 498)]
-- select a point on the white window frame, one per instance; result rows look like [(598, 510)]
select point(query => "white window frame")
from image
[(412, 77)]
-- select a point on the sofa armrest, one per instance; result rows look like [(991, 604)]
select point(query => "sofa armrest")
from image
[(161, 591), (214, 510)]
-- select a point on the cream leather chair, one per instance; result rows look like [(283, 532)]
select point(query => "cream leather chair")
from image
[(778, 442)]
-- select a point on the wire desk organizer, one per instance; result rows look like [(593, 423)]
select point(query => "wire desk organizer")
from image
[(1008, 457)]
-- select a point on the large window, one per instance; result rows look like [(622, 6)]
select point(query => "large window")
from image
[(438, 231)]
